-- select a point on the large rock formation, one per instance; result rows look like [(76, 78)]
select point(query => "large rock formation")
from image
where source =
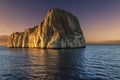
[(60, 29)]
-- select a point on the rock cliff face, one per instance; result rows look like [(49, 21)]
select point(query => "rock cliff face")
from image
[(60, 29)]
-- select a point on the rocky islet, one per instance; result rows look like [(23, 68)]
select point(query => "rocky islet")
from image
[(59, 29)]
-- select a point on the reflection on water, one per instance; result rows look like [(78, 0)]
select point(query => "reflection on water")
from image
[(45, 64), (91, 63), (50, 64)]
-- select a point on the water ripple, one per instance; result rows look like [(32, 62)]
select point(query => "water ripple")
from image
[(96, 62)]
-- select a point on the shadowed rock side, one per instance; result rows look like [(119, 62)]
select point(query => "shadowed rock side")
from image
[(60, 29)]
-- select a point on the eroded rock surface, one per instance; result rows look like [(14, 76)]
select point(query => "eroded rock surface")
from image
[(60, 29)]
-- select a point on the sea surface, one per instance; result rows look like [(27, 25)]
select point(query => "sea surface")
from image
[(95, 62)]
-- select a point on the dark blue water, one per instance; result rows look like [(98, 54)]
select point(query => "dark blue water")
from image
[(95, 62)]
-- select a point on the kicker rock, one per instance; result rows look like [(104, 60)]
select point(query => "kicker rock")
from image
[(60, 29)]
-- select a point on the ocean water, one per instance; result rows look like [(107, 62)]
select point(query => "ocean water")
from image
[(95, 62)]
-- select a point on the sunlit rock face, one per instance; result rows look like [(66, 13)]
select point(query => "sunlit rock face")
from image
[(59, 29)]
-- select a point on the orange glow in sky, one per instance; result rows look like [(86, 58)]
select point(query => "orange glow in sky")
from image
[(99, 19)]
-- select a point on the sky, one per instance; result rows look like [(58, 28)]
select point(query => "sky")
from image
[(99, 19)]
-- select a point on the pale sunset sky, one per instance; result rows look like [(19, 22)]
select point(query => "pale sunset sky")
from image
[(99, 19)]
